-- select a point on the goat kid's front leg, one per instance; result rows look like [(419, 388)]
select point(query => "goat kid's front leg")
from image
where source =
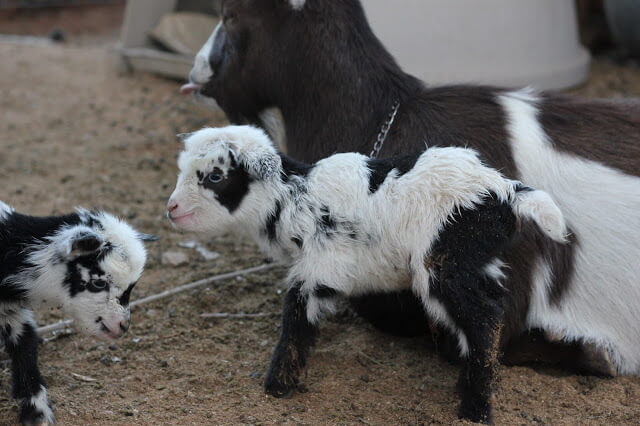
[(476, 308), (21, 343), (296, 338)]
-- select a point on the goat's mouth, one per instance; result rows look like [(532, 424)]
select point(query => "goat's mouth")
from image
[(108, 333), (190, 88), (181, 219)]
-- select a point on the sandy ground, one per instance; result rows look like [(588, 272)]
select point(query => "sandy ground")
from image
[(74, 132)]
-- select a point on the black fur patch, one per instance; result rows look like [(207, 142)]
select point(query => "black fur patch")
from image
[(297, 241), (232, 189), (19, 236), (296, 338), (291, 167), (124, 298), (24, 362), (478, 235), (326, 222), (396, 313), (520, 187), (380, 168), (74, 281), (324, 292), (272, 222)]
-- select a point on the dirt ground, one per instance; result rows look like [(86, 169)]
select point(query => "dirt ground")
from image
[(75, 132)]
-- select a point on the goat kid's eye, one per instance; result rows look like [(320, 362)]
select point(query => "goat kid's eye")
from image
[(97, 285), (215, 178)]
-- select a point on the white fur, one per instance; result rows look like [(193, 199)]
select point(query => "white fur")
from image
[(602, 208), (394, 227), (297, 4), (15, 318), (40, 402), (5, 210), (495, 270), (273, 123), (201, 71), (539, 207)]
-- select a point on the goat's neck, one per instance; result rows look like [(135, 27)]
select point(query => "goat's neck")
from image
[(349, 99), (44, 279), (317, 123), (46, 288), (268, 227)]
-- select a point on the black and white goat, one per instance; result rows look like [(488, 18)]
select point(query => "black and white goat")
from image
[(436, 223), (86, 262), (320, 64)]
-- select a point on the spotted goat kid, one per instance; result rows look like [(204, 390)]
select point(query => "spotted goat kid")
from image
[(86, 262), (436, 223)]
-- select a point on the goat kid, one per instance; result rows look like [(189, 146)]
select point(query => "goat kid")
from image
[(436, 223), (87, 263), (321, 65)]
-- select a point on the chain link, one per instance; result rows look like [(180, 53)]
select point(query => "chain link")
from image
[(384, 131)]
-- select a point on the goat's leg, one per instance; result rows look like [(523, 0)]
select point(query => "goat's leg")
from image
[(21, 343), (476, 310), (296, 338)]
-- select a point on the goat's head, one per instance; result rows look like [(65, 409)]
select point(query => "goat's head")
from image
[(224, 173), (262, 47), (90, 269)]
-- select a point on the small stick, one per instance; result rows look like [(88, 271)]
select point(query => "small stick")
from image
[(65, 324), (238, 315), (362, 354), (84, 378)]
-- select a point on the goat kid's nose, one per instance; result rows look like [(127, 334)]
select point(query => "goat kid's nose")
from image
[(172, 206), (124, 326)]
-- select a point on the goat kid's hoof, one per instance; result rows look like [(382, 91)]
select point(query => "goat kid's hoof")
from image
[(30, 416), (279, 389), (476, 415)]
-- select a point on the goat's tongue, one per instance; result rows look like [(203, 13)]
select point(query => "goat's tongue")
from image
[(189, 88)]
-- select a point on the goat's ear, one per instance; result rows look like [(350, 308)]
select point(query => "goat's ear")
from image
[(262, 166), (147, 237), (81, 243)]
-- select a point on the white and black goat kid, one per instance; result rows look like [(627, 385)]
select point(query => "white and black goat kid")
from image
[(347, 225), (86, 262)]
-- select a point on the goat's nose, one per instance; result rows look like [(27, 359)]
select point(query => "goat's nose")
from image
[(124, 326), (172, 206)]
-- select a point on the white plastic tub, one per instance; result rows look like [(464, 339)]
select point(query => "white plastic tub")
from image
[(504, 42)]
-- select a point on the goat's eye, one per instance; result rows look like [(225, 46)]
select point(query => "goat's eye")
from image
[(97, 285), (229, 18), (214, 178)]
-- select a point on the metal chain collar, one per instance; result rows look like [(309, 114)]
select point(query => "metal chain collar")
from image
[(384, 131)]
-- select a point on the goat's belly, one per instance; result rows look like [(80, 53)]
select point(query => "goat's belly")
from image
[(358, 274), (602, 208), (379, 279)]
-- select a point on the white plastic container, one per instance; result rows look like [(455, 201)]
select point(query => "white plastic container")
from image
[(504, 42)]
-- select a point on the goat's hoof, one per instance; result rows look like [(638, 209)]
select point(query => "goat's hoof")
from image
[(476, 414), (278, 388), (32, 416)]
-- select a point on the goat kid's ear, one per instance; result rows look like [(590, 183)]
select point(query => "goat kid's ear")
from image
[(263, 166), (147, 237), (182, 137), (81, 243), (294, 4)]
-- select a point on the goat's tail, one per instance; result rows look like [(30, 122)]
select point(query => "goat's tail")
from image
[(538, 206)]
